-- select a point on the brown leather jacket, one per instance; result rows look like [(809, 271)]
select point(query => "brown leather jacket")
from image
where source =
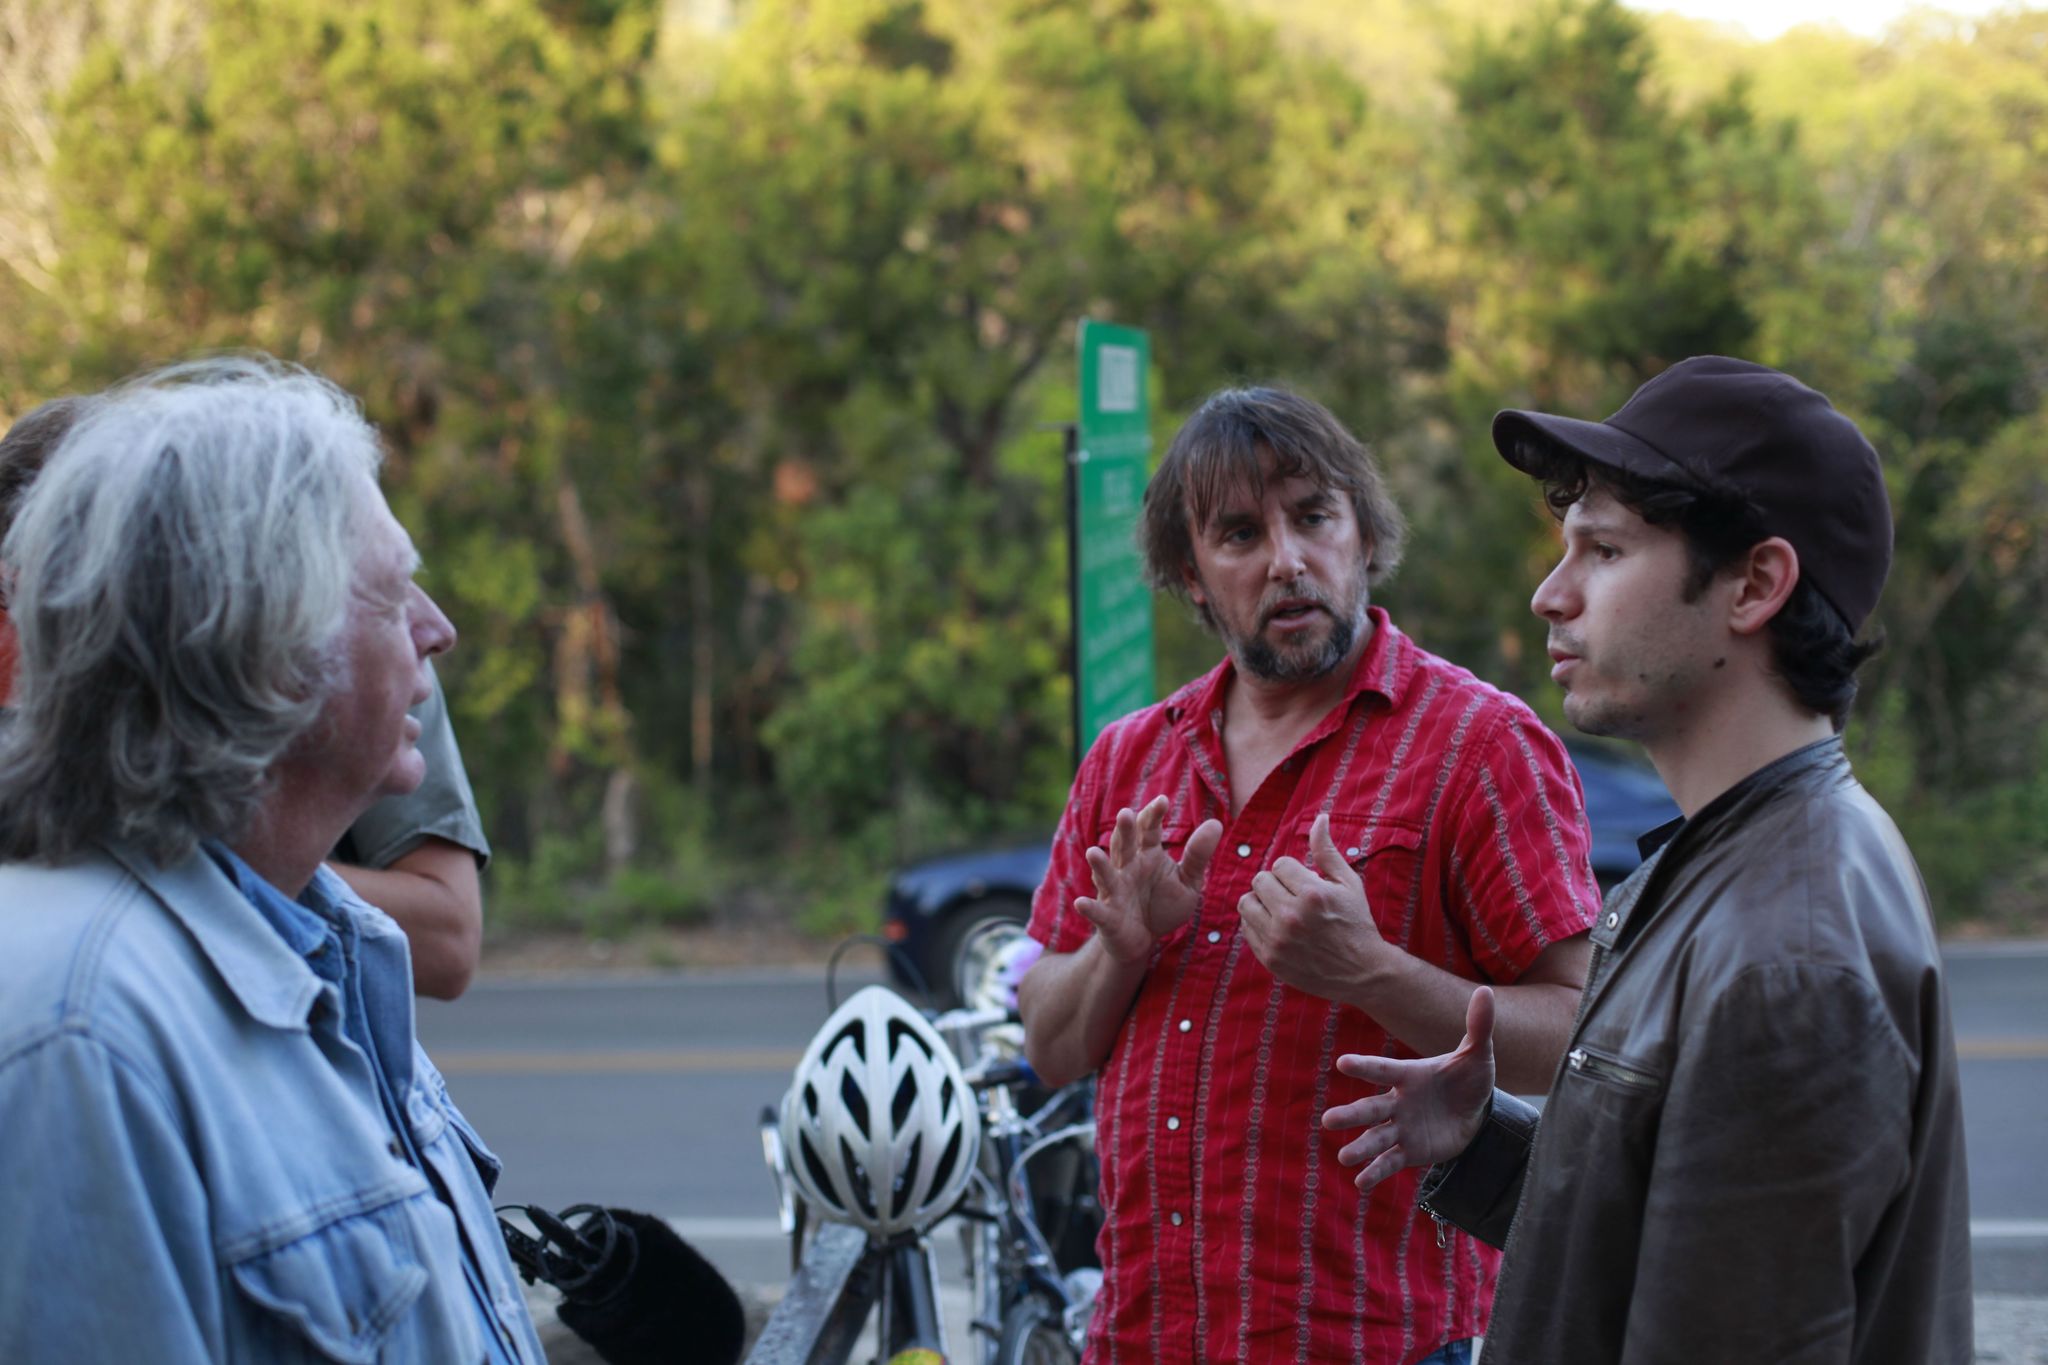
[(1753, 1150)]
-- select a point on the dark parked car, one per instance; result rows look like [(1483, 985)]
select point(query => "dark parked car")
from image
[(952, 916)]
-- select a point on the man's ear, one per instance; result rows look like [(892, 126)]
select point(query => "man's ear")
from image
[(1193, 582), (1764, 580)]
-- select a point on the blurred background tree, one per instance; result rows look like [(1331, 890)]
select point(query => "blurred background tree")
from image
[(716, 346)]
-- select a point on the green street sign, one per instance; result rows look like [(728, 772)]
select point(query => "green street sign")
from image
[(1106, 480)]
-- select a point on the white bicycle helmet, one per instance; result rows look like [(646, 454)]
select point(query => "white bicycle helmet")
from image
[(879, 1124)]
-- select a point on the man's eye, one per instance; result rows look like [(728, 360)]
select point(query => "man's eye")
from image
[(1314, 518), (1606, 551), (1237, 535)]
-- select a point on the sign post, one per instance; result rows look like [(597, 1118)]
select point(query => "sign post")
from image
[(1106, 458)]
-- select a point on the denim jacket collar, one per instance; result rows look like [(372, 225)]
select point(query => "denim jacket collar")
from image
[(272, 982)]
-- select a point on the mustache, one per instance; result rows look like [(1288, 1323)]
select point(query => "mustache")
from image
[(1297, 593)]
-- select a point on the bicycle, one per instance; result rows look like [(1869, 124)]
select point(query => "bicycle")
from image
[(1032, 1290)]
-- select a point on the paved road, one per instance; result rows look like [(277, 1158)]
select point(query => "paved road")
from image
[(644, 1093)]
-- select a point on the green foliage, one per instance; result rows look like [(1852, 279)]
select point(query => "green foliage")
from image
[(714, 361), (546, 886), (842, 895), (686, 880), (1980, 849), (676, 895)]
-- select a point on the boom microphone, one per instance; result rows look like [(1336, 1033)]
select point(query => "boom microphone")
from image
[(634, 1290)]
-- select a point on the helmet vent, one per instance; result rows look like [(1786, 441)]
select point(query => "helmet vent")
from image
[(948, 1158), (859, 1181), (856, 1103), (821, 1179), (899, 1106), (906, 1185), (852, 1033), (899, 1031)]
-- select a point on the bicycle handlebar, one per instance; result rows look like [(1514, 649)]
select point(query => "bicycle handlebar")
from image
[(1012, 1071)]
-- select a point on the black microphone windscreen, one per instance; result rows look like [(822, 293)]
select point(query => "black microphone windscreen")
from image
[(672, 1306)]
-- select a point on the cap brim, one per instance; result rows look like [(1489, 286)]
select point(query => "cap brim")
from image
[(1521, 438)]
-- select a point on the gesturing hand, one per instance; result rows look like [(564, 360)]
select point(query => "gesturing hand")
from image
[(1311, 926), (1141, 893), (1432, 1108)]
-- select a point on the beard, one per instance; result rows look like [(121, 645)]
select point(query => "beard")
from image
[(1588, 712), (1308, 660), (1297, 664), (1637, 688), (1606, 719)]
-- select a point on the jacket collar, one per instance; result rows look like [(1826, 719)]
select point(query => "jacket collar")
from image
[(1819, 761), (1802, 766), (1823, 755), (272, 982)]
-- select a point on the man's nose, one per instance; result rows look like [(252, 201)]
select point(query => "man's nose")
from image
[(432, 632), (1288, 562), (1554, 599)]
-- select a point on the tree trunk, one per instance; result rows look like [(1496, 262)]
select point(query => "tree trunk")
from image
[(703, 634)]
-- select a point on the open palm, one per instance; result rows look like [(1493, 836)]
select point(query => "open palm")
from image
[(1431, 1109), (1142, 892)]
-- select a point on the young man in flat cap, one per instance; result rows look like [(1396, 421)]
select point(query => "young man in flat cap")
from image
[(1754, 1147)]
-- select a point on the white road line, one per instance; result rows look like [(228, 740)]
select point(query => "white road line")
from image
[(852, 977), (2009, 1229), (470, 1061), (2001, 1049), (457, 1061), (768, 1230), (1996, 947), (729, 1229), (668, 978)]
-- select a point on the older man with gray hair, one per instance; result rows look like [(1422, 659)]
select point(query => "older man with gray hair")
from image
[(416, 855), (218, 1137)]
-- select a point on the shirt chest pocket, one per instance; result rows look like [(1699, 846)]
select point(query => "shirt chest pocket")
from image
[(356, 1290), (1386, 856)]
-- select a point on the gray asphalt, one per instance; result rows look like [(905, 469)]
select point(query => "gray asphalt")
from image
[(644, 1093)]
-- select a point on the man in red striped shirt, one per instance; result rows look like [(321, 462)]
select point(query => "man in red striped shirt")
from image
[(1311, 850)]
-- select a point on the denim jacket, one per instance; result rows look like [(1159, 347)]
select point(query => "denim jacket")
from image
[(188, 1170)]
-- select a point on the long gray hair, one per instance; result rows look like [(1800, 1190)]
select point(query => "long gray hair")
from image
[(181, 576)]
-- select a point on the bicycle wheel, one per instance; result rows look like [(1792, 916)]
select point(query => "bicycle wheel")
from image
[(1033, 1335)]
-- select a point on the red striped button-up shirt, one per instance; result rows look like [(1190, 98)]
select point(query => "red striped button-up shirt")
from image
[(1232, 1232)]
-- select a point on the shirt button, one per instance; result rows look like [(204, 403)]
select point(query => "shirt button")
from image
[(1172, 1125), (1351, 852), (1186, 1024), (1215, 936), (395, 1150), (1244, 850), (1613, 918), (1176, 1220)]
